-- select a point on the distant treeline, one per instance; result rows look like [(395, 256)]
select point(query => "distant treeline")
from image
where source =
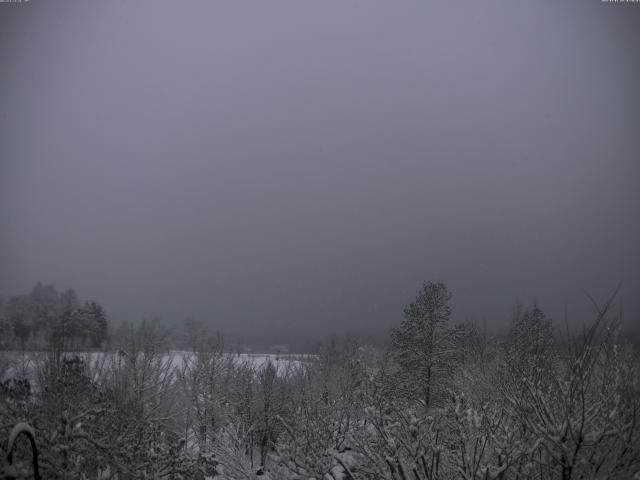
[(48, 318)]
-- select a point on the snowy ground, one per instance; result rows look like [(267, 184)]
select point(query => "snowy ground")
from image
[(21, 364)]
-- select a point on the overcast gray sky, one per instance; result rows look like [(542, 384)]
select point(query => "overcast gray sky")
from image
[(304, 166)]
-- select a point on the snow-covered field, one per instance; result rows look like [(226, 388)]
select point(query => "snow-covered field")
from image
[(22, 364)]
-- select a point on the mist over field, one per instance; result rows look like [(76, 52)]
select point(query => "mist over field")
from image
[(319, 240)]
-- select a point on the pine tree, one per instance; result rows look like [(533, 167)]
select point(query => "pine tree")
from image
[(424, 345), (530, 347), (97, 324)]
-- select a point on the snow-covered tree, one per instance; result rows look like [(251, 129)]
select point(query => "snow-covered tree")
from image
[(581, 418), (529, 349), (424, 346)]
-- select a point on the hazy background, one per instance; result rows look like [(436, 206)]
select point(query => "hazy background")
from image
[(303, 166)]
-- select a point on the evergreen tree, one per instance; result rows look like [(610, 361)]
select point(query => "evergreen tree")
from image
[(97, 324), (529, 348), (424, 345)]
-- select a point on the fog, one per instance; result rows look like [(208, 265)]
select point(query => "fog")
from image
[(305, 166)]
